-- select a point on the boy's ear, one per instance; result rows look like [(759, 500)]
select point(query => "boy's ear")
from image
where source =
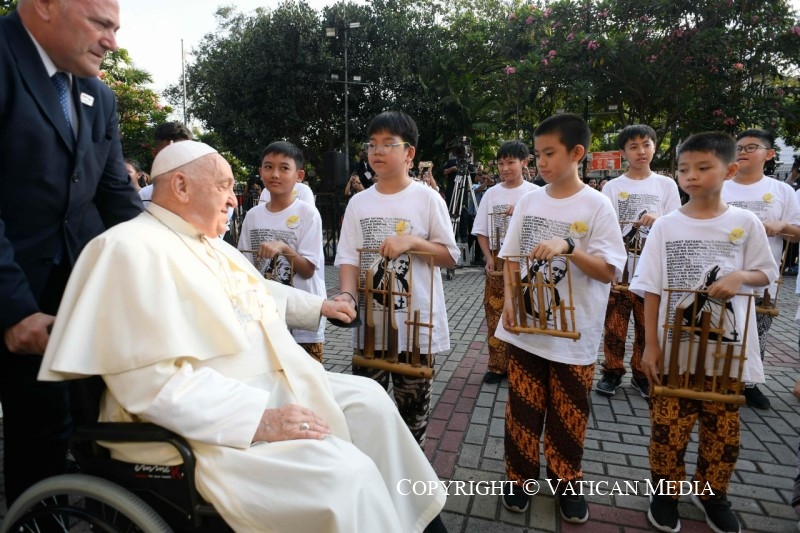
[(300, 175), (578, 152), (733, 168), (411, 153)]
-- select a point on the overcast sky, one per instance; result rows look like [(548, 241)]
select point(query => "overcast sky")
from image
[(152, 31)]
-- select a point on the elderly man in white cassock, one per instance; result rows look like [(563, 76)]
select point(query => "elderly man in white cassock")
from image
[(188, 335)]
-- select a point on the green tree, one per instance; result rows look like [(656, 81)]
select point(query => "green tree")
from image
[(7, 6), (138, 107)]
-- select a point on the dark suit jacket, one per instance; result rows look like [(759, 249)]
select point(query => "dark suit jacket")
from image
[(51, 190)]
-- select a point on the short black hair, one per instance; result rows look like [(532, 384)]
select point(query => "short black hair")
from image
[(172, 131), (636, 131), (571, 129), (285, 148), (765, 136), (134, 163), (396, 123), (513, 149), (721, 145)]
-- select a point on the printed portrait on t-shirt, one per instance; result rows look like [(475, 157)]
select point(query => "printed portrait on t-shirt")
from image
[(400, 290), (553, 273), (695, 303)]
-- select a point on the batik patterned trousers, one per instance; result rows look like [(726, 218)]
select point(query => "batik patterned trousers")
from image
[(618, 314), (672, 421), (493, 299), (411, 394), (314, 349), (543, 394)]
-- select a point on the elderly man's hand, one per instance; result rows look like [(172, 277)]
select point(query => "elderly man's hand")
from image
[(29, 335), (290, 422), (797, 389), (343, 308)]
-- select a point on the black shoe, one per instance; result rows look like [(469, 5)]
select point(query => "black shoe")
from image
[(436, 526), (663, 514), (719, 516), (517, 501), (493, 377), (755, 398), (642, 385), (573, 508), (608, 384)]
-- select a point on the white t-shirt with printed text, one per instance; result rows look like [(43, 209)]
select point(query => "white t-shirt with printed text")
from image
[(495, 202), (299, 226), (587, 217), (770, 200), (689, 253), (370, 218)]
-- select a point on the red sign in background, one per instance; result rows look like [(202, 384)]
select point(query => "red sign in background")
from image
[(606, 160)]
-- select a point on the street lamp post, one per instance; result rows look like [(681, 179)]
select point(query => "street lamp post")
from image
[(332, 32)]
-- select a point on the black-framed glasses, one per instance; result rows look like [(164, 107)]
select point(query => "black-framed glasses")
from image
[(749, 148), (371, 148)]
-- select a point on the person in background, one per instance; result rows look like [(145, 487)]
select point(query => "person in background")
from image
[(164, 135)]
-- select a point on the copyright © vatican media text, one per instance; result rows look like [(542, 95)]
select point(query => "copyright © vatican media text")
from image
[(570, 488)]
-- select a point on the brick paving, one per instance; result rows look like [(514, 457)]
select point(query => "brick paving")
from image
[(465, 436)]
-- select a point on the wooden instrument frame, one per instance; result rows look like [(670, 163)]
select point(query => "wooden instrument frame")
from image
[(690, 384), (497, 235), (390, 361), (563, 315), (769, 305), (633, 251)]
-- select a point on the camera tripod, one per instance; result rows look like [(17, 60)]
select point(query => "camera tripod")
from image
[(459, 204)]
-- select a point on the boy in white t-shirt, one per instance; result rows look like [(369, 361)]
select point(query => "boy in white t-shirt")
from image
[(491, 221), (395, 216), (549, 377), (639, 197), (290, 230), (706, 244), (774, 203)]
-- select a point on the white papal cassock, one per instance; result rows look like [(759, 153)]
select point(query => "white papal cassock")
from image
[(188, 335)]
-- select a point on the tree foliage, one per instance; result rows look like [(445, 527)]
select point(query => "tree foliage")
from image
[(138, 107), (7, 6), (492, 70)]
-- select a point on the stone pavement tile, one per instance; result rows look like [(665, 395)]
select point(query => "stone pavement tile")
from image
[(476, 434), (470, 455), (620, 517), (767, 523), (778, 510), (454, 522), (458, 504), (444, 463), (458, 422), (755, 492), (485, 506), (478, 525), (544, 516)]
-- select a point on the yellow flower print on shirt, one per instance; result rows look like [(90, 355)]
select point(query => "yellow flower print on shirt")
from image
[(293, 221), (768, 198), (578, 229), (737, 235), (402, 228), (623, 196)]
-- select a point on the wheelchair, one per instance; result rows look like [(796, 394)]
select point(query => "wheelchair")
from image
[(114, 496)]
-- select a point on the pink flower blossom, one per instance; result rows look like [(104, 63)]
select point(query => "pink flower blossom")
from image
[(717, 112), (570, 36), (795, 30), (652, 58), (738, 66), (552, 53), (644, 18), (603, 14), (509, 70), (512, 16), (779, 91), (593, 45), (544, 61), (730, 121), (529, 20), (713, 70), (546, 13)]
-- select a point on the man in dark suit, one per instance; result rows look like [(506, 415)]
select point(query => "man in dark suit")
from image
[(62, 182)]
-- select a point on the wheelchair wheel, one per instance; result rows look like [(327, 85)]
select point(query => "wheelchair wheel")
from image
[(77, 502)]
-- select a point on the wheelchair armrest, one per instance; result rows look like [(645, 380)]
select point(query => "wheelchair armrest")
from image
[(136, 432), (123, 432)]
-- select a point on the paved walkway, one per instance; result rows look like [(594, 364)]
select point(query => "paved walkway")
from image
[(465, 437)]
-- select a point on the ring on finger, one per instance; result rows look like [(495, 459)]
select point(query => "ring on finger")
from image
[(304, 426)]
